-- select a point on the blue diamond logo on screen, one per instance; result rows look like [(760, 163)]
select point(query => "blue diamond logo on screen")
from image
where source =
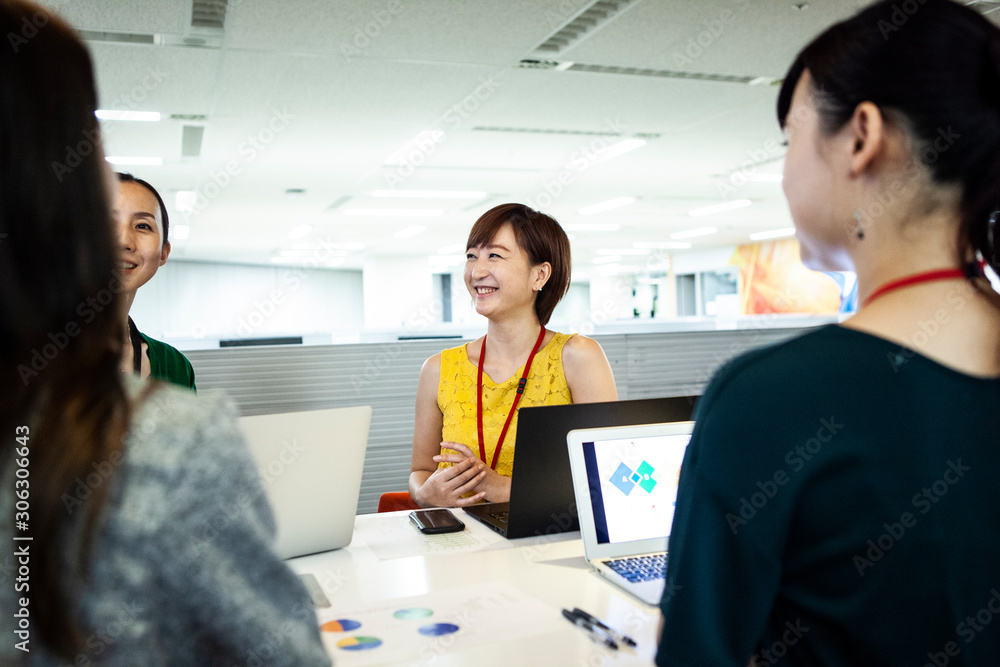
[(646, 472), (620, 478), (636, 477)]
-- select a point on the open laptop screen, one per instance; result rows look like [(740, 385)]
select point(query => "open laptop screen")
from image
[(633, 485)]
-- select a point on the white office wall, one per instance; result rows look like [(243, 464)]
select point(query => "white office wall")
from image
[(705, 260), (399, 294), (194, 304)]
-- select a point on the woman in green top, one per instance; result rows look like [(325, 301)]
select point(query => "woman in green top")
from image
[(838, 500), (141, 217)]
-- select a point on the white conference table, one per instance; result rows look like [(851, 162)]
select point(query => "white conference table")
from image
[(504, 596)]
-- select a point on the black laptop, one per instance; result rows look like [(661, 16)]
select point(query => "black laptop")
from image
[(541, 488)]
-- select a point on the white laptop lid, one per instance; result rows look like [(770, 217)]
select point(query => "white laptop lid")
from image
[(311, 464), (625, 484)]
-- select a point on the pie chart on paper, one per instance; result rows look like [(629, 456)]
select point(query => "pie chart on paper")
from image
[(412, 614), (340, 625), (438, 629), (359, 643)]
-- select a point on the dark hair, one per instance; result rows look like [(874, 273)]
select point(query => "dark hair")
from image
[(541, 238), (937, 65), (125, 177), (60, 369)]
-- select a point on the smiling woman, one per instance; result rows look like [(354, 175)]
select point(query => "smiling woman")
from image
[(143, 235), (115, 489), (517, 270)]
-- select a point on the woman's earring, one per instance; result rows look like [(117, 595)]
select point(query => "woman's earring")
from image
[(859, 230)]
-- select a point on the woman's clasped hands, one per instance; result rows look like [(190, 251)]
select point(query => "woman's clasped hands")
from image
[(446, 486)]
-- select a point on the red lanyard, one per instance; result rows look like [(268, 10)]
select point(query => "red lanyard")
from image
[(917, 278), (520, 390)]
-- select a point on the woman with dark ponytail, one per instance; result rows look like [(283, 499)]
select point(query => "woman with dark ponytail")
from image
[(838, 503), (134, 525)]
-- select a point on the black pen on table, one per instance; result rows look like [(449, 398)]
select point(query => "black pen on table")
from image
[(595, 633), (620, 636)]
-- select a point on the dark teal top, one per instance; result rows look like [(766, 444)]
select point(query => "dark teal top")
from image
[(167, 363), (839, 504)]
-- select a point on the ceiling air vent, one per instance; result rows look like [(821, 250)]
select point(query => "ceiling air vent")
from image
[(586, 22), (543, 130), (209, 14), (191, 139), (660, 73), (530, 63), (118, 37)]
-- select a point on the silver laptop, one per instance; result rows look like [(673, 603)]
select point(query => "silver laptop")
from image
[(311, 464), (625, 483)]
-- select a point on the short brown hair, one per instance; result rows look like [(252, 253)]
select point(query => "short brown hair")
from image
[(541, 237)]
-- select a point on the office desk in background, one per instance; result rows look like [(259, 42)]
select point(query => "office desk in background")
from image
[(411, 591)]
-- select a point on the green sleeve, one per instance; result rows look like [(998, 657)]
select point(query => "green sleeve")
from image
[(169, 364)]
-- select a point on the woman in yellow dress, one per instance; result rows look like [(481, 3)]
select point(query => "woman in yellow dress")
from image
[(517, 270)]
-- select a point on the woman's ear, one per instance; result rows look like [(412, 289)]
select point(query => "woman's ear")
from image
[(867, 132), (542, 272)]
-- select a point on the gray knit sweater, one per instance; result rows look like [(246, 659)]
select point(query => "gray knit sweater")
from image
[(182, 570)]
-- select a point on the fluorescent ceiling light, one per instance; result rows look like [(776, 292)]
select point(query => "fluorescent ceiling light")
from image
[(624, 251), (614, 270), (564, 65), (314, 250), (663, 245), (430, 194), (773, 234), (180, 232), (719, 208), (590, 227), (118, 114), (394, 212), (764, 178), (691, 233), (410, 231), (333, 261), (300, 231), (608, 260), (185, 200), (135, 161), (326, 244), (612, 151), (617, 202)]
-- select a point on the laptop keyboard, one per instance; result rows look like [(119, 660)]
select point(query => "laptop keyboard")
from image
[(640, 568)]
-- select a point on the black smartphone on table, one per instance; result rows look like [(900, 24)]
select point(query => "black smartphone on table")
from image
[(433, 522)]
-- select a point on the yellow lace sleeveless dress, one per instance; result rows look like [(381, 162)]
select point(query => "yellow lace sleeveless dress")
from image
[(457, 399)]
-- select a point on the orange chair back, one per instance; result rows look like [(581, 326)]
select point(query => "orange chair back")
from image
[(395, 501)]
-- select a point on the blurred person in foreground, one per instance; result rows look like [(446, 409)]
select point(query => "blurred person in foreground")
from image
[(150, 535), (838, 502)]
